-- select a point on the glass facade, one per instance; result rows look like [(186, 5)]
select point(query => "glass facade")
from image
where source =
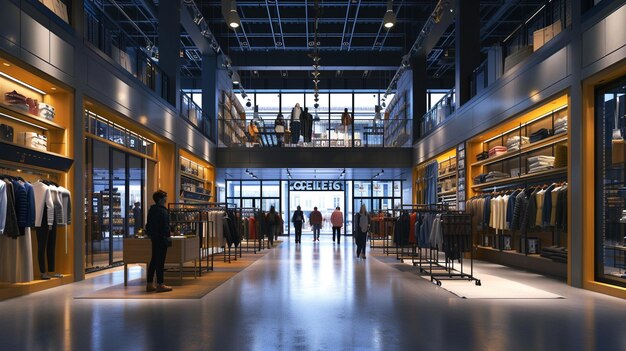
[(610, 241)]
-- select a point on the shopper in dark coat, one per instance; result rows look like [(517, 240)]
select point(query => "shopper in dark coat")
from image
[(272, 220), (297, 220), (158, 229)]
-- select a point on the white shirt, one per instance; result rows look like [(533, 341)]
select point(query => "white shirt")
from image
[(43, 199)]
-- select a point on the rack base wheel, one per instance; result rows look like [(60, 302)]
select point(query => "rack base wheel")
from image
[(478, 283)]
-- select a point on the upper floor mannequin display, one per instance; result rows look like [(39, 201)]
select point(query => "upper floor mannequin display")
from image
[(346, 121), (296, 112)]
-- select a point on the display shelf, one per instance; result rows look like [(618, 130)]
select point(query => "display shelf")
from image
[(447, 192), (447, 175), (555, 139), (21, 154), (28, 118), (526, 177), (191, 176)]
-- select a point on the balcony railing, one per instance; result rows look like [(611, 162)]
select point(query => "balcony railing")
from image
[(106, 35), (193, 113), (329, 132), (436, 115)]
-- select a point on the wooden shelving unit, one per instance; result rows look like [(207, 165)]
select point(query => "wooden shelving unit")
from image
[(490, 242)]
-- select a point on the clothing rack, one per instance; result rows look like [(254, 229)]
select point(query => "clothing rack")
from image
[(258, 243), (415, 249), (456, 228), (190, 219)]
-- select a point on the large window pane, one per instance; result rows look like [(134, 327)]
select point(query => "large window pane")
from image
[(271, 189), (323, 101), (251, 189), (610, 185), (364, 105), (290, 100), (362, 188), (340, 101)]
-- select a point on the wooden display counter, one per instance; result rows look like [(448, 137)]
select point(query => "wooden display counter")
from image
[(183, 249)]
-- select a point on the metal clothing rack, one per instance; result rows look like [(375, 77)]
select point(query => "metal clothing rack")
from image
[(415, 251), (188, 220), (258, 243), (226, 206), (456, 228)]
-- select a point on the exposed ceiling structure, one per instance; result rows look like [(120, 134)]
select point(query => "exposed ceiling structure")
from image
[(275, 36), (314, 173)]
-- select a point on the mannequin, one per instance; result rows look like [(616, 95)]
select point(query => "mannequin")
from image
[(307, 125), (346, 121), (296, 123)]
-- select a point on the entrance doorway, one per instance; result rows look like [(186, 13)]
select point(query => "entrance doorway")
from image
[(325, 201)]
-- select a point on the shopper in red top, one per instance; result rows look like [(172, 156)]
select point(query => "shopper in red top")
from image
[(316, 222), (336, 219)]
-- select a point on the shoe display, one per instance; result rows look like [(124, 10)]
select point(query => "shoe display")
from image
[(150, 287), (57, 275), (45, 276), (163, 288), (363, 256)]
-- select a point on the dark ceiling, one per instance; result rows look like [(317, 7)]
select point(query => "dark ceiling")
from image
[(277, 35)]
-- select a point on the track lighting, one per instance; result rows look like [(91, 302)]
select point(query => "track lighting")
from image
[(389, 20), (232, 18), (236, 79), (248, 103), (198, 19)]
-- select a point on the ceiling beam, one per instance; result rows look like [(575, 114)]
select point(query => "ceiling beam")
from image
[(291, 60)]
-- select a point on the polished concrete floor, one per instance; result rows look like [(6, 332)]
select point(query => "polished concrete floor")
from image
[(316, 297)]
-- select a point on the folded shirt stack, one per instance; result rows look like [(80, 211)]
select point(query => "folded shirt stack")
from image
[(515, 142), (480, 178), (46, 111), (495, 175), (16, 99), (33, 140), (540, 163), (539, 135), (560, 125), (497, 150), (482, 156)]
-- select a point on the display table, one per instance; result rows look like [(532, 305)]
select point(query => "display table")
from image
[(183, 249)]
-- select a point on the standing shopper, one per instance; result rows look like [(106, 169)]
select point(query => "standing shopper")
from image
[(362, 222), (272, 220), (158, 229), (316, 222), (297, 220), (336, 219)]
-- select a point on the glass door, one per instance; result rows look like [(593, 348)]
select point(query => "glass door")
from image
[(114, 202)]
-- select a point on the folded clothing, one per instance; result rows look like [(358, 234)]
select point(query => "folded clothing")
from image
[(560, 122), (482, 156), (480, 178), (34, 140), (13, 97), (541, 158), (514, 143), (495, 175), (560, 130), (44, 106), (497, 150), (539, 135), (33, 106), (535, 169)]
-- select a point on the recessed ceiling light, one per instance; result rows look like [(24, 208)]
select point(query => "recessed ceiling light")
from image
[(53, 88), (6, 64)]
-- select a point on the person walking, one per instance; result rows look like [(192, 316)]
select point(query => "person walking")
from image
[(297, 220), (158, 229), (272, 219), (362, 222), (336, 219), (316, 222)]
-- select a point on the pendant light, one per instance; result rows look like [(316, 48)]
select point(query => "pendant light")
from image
[(389, 20), (229, 10)]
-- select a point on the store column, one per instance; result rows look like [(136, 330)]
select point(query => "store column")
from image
[(467, 48), (418, 95), (169, 48)]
